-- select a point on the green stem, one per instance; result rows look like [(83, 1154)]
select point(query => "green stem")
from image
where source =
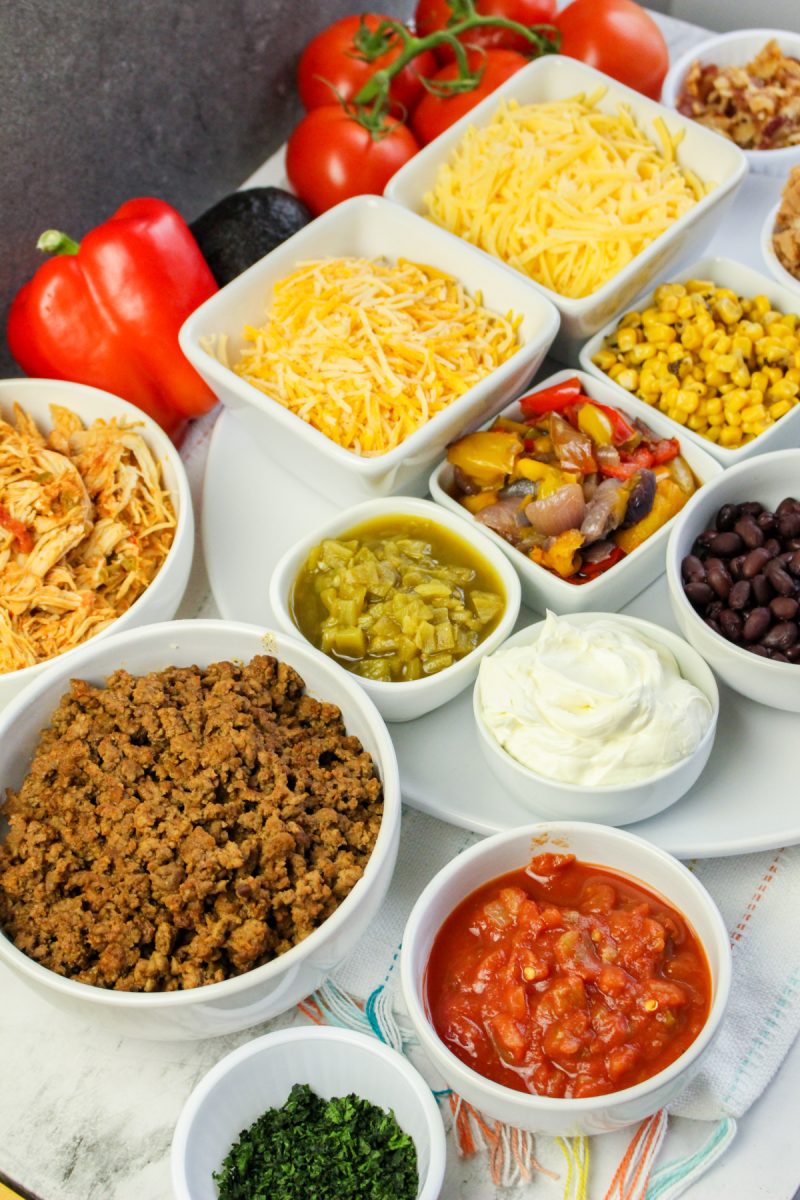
[(53, 241), (378, 85)]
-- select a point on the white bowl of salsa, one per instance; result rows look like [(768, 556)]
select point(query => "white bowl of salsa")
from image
[(566, 978)]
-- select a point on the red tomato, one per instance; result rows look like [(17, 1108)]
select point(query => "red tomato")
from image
[(432, 15), (434, 114), (330, 157), (619, 38), (330, 61)]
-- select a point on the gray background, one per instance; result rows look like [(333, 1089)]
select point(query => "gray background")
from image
[(103, 100)]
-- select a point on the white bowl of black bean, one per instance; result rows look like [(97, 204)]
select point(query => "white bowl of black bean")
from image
[(733, 571)]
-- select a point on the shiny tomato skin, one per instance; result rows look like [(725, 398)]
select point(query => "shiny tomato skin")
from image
[(329, 64), (619, 38), (434, 114), (330, 157), (432, 15)]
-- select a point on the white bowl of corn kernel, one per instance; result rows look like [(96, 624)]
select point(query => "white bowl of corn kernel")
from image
[(726, 373), (354, 366), (593, 267)]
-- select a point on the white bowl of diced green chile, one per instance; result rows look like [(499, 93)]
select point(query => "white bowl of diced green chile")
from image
[(405, 597)]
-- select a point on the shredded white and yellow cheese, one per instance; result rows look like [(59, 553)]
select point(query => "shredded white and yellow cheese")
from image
[(562, 191), (367, 352)]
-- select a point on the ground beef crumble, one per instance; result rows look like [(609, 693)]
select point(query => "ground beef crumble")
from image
[(180, 828)]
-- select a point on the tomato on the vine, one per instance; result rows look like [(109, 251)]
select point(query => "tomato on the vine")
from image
[(619, 38), (331, 64), (435, 113), (330, 156), (432, 15)]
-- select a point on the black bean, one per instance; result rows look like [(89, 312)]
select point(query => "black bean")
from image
[(692, 568), (778, 656), (727, 544), (766, 521), (739, 596), (718, 576), (757, 625), (773, 547), (784, 608), (736, 564), (780, 637), (731, 624), (780, 579), (755, 562), (761, 651), (793, 565), (698, 594), (793, 653), (789, 525), (793, 544), (712, 624), (788, 505), (762, 590), (727, 517), (751, 508), (749, 532), (704, 539)]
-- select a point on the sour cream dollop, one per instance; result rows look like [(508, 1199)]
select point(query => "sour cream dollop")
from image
[(595, 704)]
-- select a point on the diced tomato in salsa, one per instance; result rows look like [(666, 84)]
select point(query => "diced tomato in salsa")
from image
[(565, 979)]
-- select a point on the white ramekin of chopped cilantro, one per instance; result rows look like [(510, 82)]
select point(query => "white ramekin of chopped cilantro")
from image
[(310, 1112)]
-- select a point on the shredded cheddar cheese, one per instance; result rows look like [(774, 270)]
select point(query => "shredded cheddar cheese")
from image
[(562, 191), (367, 352)]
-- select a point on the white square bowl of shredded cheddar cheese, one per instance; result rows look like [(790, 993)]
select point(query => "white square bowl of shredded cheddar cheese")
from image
[(578, 183), (359, 348)]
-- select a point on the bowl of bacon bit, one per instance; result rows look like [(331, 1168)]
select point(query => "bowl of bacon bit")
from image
[(780, 236), (745, 86), (96, 525)]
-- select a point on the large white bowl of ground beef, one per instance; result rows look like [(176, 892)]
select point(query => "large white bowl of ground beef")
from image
[(201, 820)]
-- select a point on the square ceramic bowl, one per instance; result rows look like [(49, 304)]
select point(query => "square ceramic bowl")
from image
[(768, 479), (611, 849), (543, 589), (260, 1075), (404, 700), (736, 49), (710, 157), (724, 272), (370, 227)]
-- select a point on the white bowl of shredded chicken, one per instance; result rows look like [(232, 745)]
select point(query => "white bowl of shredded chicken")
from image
[(96, 524)]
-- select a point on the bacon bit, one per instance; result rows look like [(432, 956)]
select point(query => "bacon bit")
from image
[(22, 534)]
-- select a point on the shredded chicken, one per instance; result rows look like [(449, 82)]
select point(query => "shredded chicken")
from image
[(786, 238), (85, 525), (757, 105)]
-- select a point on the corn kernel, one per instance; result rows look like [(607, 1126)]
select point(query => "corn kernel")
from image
[(641, 352), (730, 437), (754, 412), (604, 359), (627, 339), (780, 409), (658, 332)]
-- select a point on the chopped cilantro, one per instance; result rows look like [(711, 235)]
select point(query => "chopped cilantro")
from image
[(313, 1149)]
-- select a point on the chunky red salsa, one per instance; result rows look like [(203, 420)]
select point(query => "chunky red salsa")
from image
[(566, 979)]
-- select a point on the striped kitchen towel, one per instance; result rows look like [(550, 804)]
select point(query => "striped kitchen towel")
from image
[(759, 897)]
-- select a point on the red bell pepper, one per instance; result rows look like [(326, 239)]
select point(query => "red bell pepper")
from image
[(552, 399), (621, 430), (107, 312)]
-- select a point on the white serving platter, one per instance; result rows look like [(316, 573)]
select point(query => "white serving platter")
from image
[(746, 799)]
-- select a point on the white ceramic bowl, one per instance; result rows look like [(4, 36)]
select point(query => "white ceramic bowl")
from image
[(262, 993), (745, 282), (736, 49), (614, 804), (774, 265), (260, 1075), (404, 701), (556, 78), (161, 600), (767, 479), (370, 227), (610, 848), (542, 589)]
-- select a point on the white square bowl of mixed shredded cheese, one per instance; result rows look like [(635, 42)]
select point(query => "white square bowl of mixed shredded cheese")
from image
[(359, 348), (578, 183)]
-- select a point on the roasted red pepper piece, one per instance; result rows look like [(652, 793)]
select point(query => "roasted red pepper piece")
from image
[(621, 430), (107, 313), (22, 534), (665, 450), (590, 571), (552, 399)]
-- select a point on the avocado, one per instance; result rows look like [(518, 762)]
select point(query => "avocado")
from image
[(243, 227)]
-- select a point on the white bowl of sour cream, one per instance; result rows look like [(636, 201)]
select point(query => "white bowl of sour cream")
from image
[(596, 717)]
